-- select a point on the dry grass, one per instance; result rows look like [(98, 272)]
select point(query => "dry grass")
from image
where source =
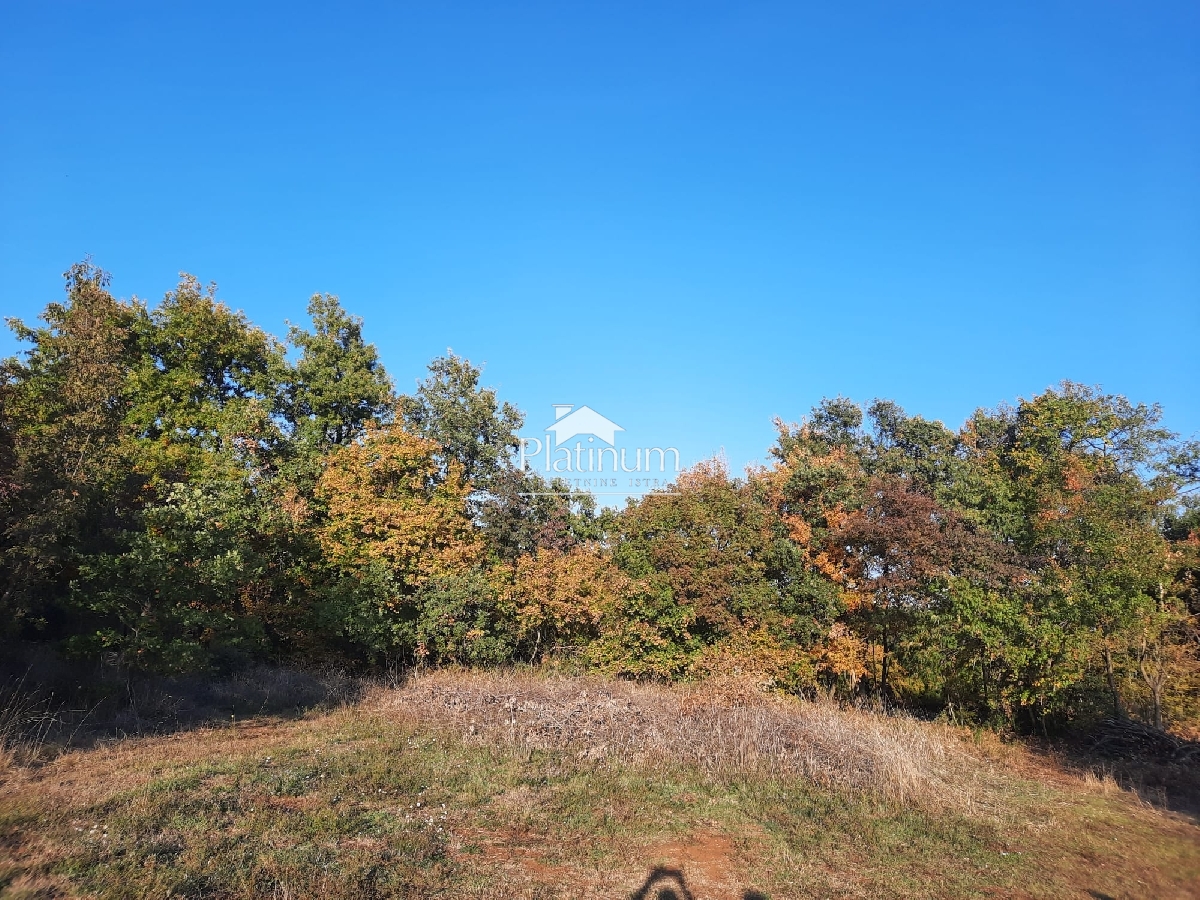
[(721, 728), (514, 784), (37, 724), (27, 721)]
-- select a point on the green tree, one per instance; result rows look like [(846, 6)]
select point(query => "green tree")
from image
[(718, 574), (205, 578), (470, 425), (337, 385), (207, 554), (206, 391), (523, 513), (66, 485), (1093, 476)]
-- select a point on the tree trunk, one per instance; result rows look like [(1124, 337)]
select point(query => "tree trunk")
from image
[(1154, 676), (1118, 712), (883, 681)]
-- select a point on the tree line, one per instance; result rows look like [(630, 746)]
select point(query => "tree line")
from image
[(181, 491)]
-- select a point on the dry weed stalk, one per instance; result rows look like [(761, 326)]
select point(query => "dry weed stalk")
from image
[(26, 720)]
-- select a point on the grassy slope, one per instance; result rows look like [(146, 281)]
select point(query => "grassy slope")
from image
[(489, 786)]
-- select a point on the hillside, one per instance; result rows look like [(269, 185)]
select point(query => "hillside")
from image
[(464, 785)]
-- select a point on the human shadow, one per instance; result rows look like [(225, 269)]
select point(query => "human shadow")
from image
[(666, 883)]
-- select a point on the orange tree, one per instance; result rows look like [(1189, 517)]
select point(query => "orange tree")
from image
[(394, 523), (715, 576), (564, 602)]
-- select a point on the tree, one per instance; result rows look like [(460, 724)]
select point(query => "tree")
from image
[(338, 385), (1092, 476), (715, 569), (469, 425), (202, 578), (392, 520), (66, 480), (461, 621), (564, 600), (523, 513), (206, 390), (899, 550), (927, 453)]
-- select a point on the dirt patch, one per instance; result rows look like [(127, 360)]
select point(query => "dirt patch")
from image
[(704, 865), (523, 850), (525, 860), (302, 804)]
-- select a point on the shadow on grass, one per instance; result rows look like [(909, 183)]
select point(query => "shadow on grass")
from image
[(1164, 778), (664, 883), (49, 705)]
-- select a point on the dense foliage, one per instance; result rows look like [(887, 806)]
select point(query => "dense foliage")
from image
[(181, 491)]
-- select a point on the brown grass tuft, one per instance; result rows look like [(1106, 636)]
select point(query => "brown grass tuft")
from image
[(726, 729)]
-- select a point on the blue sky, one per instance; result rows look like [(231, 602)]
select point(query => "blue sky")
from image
[(692, 217)]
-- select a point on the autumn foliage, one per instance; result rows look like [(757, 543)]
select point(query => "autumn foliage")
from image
[(181, 491)]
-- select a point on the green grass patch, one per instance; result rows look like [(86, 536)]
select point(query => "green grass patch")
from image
[(348, 806)]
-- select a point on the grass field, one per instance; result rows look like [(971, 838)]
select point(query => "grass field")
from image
[(463, 785)]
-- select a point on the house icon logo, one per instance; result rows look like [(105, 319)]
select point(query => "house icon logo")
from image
[(570, 422), (579, 449)]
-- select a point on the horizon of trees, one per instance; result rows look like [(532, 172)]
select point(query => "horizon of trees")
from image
[(181, 491)]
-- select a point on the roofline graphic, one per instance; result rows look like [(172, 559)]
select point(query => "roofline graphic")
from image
[(586, 421)]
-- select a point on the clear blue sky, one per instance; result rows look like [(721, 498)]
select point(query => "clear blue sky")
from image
[(692, 217)]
